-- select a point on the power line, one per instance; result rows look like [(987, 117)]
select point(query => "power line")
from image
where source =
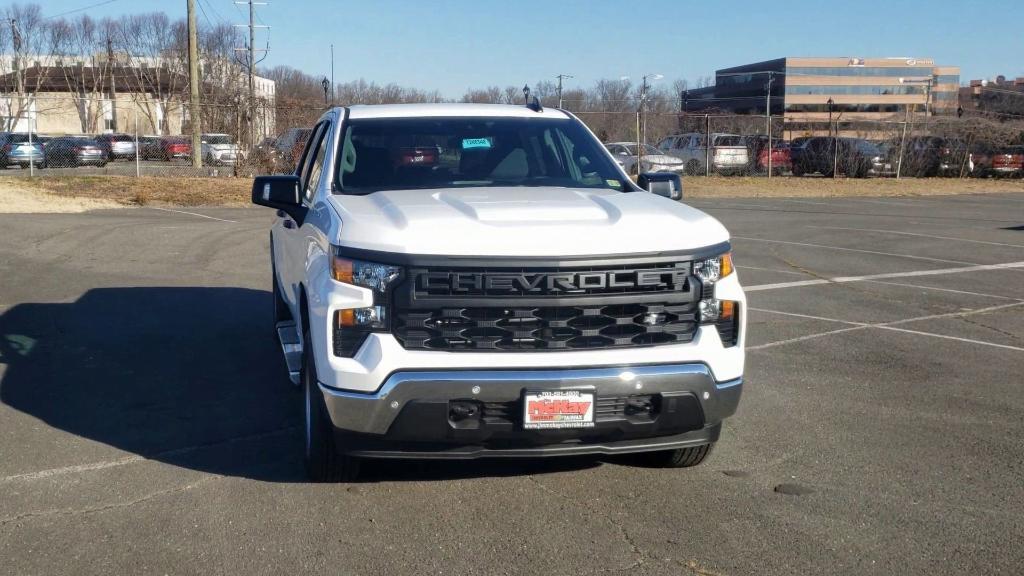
[(213, 9), (205, 17), (79, 9)]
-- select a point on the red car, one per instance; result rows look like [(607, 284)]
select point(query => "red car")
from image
[(1008, 161), (781, 158), (175, 148)]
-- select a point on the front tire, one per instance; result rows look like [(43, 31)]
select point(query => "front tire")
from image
[(678, 458), (323, 461)]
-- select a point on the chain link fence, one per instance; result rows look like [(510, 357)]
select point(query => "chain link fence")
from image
[(752, 145), (44, 136)]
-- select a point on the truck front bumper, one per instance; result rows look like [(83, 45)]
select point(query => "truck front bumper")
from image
[(422, 414)]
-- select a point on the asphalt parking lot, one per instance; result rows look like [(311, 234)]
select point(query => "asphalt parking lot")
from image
[(146, 425)]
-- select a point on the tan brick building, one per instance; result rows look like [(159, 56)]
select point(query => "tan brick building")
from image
[(91, 100)]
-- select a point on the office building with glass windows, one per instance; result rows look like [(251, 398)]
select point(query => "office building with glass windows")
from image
[(811, 91)]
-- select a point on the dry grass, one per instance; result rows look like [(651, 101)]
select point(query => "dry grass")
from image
[(811, 187), (77, 193), (131, 191)]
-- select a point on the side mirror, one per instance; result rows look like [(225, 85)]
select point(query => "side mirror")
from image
[(662, 183), (281, 193)]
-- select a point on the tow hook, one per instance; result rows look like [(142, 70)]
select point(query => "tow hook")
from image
[(458, 411)]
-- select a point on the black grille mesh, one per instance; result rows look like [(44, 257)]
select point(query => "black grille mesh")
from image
[(546, 328)]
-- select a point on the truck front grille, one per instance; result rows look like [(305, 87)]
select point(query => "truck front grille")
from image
[(536, 308), (546, 328)]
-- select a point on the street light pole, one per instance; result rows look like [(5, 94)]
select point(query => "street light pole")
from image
[(830, 103)]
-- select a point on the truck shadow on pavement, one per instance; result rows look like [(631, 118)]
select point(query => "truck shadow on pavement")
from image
[(188, 376)]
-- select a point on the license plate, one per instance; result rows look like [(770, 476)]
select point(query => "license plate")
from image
[(552, 409)]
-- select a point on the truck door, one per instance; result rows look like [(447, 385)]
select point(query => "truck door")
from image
[(289, 238)]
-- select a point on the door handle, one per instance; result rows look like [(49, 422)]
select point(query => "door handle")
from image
[(281, 214)]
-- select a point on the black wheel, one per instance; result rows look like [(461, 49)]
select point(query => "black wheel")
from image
[(323, 461), (678, 458), (797, 170), (693, 168)]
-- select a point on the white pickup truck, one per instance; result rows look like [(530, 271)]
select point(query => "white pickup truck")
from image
[(463, 281)]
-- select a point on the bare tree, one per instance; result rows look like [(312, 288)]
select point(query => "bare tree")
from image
[(28, 40)]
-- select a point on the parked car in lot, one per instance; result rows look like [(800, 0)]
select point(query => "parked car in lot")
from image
[(1008, 161), (117, 146), (921, 156), (853, 157), (19, 149), (729, 155), (288, 148), (654, 160), (72, 151), (219, 150), (149, 148), (757, 148), (175, 147)]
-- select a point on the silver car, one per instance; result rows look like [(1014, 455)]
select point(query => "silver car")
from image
[(219, 149), (654, 160), (728, 155), (117, 146)]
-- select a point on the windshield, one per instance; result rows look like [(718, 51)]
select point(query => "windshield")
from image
[(23, 138), (868, 148), (728, 141), (648, 149), (425, 153)]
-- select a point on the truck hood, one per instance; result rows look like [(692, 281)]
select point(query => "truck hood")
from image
[(521, 221)]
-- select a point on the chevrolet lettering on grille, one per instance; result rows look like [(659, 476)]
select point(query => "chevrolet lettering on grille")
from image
[(551, 283)]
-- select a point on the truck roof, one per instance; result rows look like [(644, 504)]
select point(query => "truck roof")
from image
[(449, 110)]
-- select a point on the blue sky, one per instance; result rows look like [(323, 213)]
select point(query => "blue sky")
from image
[(456, 44)]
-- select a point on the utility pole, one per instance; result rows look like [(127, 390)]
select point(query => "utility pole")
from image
[(113, 84), (560, 78), (20, 82), (768, 120), (250, 63), (193, 81), (642, 119)]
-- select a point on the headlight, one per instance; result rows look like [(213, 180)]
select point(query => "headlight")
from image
[(713, 269), (724, 314), (352, 325)]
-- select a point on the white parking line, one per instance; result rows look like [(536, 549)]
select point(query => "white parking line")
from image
[(920, 235), (844, 249), (947, 337), (192, 214), (41, 474), (806, 337), (806, 202), (887, 326), (913, 273), (945, 290), (882, 202)]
